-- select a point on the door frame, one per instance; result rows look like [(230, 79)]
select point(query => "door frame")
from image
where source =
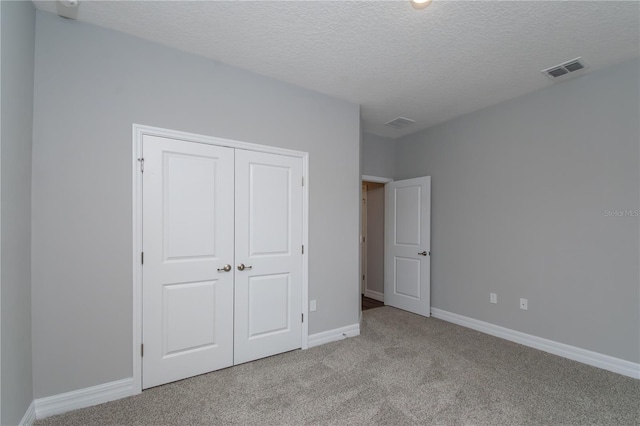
[(376, 179), (139, 131), (363, 240)]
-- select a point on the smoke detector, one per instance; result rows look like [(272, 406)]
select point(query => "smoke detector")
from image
[(67, 9), (400, 122), (565, 68)]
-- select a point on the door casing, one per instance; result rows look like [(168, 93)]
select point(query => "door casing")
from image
[(376, 179), (138, 132)]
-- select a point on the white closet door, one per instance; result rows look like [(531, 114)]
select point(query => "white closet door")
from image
[(188, 221), (407, 250), (268, 290)]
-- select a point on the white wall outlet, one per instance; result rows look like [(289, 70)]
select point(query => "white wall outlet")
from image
[(523, 304), (312, 305), (493, 298)]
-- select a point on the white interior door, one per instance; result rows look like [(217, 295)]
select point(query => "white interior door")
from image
[(268, 273), (408, 245), (188, 238)]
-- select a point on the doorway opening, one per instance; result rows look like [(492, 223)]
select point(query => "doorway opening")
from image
[(372, 242)]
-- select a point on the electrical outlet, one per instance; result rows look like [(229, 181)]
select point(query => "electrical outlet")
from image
[(493, 298), (523, 304), (312, 305)]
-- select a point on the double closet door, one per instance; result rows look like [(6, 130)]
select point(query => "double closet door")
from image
[(222, 269)]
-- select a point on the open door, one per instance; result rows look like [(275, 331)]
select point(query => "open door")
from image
[(407, 265)]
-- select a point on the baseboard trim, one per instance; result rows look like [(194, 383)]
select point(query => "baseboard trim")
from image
[(81, 398), (334, 335), (29, 416), (374, 295), (595, 359)]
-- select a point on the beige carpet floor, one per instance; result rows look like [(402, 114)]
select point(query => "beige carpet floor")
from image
[(403, 369)]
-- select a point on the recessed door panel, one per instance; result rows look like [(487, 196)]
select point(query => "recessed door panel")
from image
[(269, 305), (189, 204), (407, 254), (407, 211), (407, 277), (188, 317), (269, 210)]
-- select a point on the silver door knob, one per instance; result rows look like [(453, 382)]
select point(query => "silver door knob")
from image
[(241, 267), (424, 253), (225, 268)]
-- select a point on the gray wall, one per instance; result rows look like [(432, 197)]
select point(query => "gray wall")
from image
[(91, 84), (18, 26), (375, 239), (519, 197), (378, 159), (378, 156)]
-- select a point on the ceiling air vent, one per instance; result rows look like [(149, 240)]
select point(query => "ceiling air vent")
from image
[(399, 123), (565, 68)]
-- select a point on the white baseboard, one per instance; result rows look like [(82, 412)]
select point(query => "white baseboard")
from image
[(30, 416), (595, 359), (374, 295), (82, 398), (334, 335)]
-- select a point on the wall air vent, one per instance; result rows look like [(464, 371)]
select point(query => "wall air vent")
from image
[(399, 123), (565, 68)]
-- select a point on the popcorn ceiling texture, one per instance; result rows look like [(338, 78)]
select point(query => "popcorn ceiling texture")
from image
[(432, 65)]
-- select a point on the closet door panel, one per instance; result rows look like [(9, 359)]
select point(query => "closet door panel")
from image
[(187, 239), (268, 274)]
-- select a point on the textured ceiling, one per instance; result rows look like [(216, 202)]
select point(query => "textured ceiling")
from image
[(429, 65)]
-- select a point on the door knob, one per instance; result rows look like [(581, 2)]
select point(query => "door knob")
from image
[(226, 268), (241, 267), (424, 253)]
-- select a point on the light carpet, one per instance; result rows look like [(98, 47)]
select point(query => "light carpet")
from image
[(403, 369)]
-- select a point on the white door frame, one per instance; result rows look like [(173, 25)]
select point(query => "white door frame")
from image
[(363, 240), (376, 179), (138, 132)]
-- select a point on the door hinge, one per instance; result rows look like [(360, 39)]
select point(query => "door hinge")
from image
[(142, 258), (141, 161), (363, 278), (302, 317), (303, 249), (302, 180), (142, 350)]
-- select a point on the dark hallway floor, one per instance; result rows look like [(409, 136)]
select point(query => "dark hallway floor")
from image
[(368, 303)]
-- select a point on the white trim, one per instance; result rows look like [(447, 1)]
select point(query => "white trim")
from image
[(595, 359), (363, 238), (83, 398), (138, 132), (334, 335), (376, 295), (29, 416), (137, 267), (376, 179), (371, 293), (305, 255)]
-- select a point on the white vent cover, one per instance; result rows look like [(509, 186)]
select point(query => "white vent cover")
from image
[(565, 68), (399, 123)]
